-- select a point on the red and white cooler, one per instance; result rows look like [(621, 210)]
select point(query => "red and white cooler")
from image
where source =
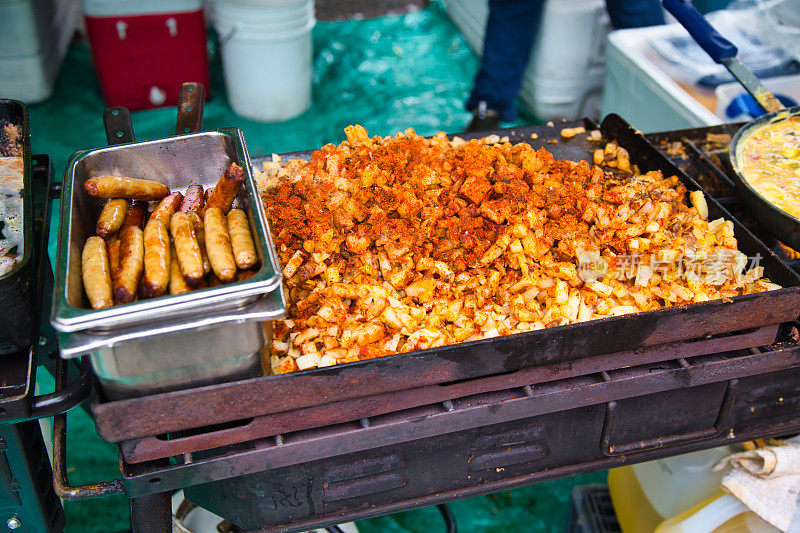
[(145, 49)]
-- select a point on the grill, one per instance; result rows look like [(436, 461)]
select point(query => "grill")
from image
[(26, 479), (338, 444), (17, 400)]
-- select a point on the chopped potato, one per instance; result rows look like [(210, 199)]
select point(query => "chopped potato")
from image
[(402, 243)]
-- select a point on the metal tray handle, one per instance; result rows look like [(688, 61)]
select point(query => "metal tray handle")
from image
[(722, 422), (64, 398), (190, 108), (119, 128)]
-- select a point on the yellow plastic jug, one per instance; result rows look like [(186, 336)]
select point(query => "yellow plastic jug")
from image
[(633, 509), (646, 494), (721, 514)]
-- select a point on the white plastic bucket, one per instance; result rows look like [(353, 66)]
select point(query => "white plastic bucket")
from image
[(271, 13), (114, 8), (266, 56)]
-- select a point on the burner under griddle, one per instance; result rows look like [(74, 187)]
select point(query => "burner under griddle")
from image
[(787, 254)]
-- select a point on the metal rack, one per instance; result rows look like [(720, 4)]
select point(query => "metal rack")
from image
[(17, 400), (27, 497), (481, 436)]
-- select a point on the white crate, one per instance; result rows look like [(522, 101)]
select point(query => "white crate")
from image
[(641, 92)]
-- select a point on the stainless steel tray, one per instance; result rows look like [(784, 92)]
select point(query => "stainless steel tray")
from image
[(177, 162), (172, 342), (208, 349)]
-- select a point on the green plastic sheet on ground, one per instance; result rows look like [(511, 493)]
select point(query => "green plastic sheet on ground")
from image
[(388, 74)]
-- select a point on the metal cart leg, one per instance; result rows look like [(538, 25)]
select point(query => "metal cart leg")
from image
[(27, 501), (152, 513)]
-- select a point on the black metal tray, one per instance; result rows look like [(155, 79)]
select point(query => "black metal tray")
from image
[(16, 291), (564, 345), (18, 371)]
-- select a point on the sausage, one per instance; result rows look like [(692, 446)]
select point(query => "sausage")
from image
[(200, 235), (218, 244), (193, 200), (131, 264), (167, 207), (188, 251), (96, 273), (226, 189), (122, 187), (111, 217), (156, 259), (177, 285), (244, 251), (113, 257), (137, 212)]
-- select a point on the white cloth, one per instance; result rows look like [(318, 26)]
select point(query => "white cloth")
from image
[(767, 480)]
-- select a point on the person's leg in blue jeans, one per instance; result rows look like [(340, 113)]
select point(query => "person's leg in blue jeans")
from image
[(510, 30), (634, 13)]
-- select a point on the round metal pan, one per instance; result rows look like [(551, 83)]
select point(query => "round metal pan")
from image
[(782, 225)]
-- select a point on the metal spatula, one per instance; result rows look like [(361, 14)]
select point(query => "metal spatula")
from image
[(721, 51)]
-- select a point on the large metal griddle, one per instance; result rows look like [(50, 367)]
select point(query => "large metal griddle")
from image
[(492, 434), (160, 447), (621, 341)]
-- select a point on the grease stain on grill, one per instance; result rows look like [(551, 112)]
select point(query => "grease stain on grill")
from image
[(766, 402), (513, 447), (355, 488), (370, 475)]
